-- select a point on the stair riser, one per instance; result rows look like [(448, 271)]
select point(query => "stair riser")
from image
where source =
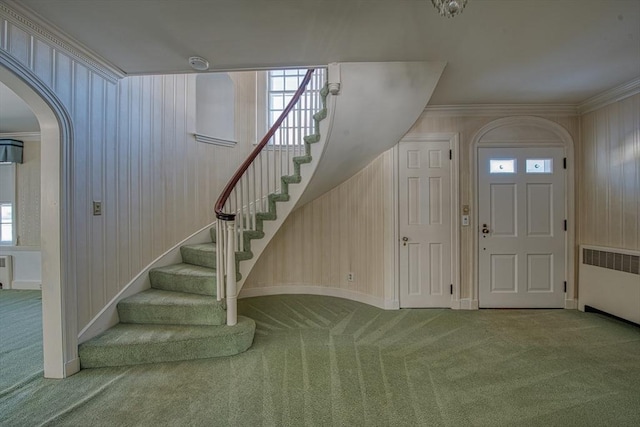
[(204, 348), (196, 257), (213, 314), (180, 283)]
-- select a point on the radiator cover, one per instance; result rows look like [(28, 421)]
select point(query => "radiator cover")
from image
[(609, 280)]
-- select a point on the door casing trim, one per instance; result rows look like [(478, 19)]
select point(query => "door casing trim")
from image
[(564, 140), (454, 144)]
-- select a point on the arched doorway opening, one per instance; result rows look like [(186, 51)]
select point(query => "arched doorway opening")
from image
[(508, 134), (58, 293)]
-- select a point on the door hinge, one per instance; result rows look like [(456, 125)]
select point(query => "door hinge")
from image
[(565, 287), (564, 163), (565, 225), (451, 289), (450, 154)]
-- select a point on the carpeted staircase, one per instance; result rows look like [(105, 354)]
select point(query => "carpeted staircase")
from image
[(180, 318)]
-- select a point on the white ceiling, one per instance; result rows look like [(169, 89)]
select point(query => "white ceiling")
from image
[(498, 51), (15, 114)]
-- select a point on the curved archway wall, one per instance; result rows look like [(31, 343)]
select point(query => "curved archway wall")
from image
[(56, 139), (132, 137), (527, 131)]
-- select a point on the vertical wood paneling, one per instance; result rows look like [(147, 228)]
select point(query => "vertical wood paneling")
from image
[(133, 149), (19, 44), (43, 61), (609, 183)]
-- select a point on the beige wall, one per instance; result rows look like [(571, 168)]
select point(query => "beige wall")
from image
[(609, 185), (313, 249), (28, 195), (345, 230)]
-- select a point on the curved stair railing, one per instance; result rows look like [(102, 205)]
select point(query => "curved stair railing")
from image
[(262, 180)]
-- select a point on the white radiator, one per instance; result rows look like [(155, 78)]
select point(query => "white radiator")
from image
[(6, 271), (609, 280)]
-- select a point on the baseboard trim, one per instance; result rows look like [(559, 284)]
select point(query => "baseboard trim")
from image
[(26, 285), (464, 304), (322, 291), (72, 367), (571, 304)]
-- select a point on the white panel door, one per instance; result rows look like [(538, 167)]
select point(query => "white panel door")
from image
[(521, 227), (425, 224)]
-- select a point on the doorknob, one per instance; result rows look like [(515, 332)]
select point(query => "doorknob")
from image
[(485, 229), (404, 241)]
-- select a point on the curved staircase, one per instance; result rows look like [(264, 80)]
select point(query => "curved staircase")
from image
[(183, 315)]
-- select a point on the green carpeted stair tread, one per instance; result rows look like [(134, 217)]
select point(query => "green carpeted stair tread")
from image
[(203, 254), (291, 179), (133, 344), (279, 197), (156, 306), (184, 278)]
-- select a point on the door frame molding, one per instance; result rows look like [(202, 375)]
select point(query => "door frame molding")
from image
[(564, 140), (454, 143), (59, 323)]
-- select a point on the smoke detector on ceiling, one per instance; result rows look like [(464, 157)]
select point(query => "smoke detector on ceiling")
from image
[(199, 64)]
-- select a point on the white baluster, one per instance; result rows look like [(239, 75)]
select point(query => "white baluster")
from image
[(219, 260), (232, 297)]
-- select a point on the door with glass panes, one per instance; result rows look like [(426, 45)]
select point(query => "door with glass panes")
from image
[(521, 227)]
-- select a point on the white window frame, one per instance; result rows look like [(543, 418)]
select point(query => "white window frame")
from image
[(271, 113), (8, 197)]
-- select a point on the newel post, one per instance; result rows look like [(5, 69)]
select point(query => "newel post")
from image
[(232, 297)]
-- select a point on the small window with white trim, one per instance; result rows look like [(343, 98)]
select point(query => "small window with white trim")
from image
[(502, 166), (539, 166), (281, 87), (6, 223), (7, 204)]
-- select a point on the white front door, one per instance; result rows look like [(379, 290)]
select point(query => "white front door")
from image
[(425, 223), (521, 195)]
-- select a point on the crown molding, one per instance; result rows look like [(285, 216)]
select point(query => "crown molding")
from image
[(21, 136), (31, 22), (610, 96), (492, 110)]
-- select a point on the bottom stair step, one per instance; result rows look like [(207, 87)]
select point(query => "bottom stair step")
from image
[(135, 344)]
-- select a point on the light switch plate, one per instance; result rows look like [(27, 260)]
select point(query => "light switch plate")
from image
[(97, 208)]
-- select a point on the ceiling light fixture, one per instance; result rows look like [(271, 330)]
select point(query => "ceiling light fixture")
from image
[(449, 8), (199, 64)]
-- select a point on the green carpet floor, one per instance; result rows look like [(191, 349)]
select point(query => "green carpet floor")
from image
[(331, 362)]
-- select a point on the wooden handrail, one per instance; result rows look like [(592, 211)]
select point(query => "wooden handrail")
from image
[(219, 207)]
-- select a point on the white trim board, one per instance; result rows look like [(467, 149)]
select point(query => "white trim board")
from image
[(26, 285), (22, 136), (596, 102), (610, 96), (496, 110)]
